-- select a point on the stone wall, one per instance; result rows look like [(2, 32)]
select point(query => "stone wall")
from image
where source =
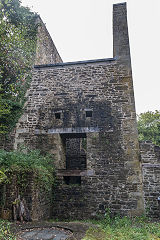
[(7, 142), (94, 98), (46, 52), (38, 200), (150, 157)]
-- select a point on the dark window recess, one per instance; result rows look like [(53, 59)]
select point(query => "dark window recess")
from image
[(58, 115), (75, 153), (1, 195), (75, 149), (69, 180), (88, 113)]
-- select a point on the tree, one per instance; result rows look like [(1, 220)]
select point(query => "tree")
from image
[(149, 126), (17, 48), (4, 112)]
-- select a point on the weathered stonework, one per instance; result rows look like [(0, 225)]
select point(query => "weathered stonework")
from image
[(46, 52), (38, 200), (92, 101), (83, 113), (150, 157)]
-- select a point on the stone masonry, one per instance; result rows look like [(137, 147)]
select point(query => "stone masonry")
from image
[(150, 157), (91, 101), (83, 113)]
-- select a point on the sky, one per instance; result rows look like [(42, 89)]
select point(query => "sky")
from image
[(82, 30)]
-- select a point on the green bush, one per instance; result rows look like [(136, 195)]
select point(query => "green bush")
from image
[(3, 177), (22, 163), (5, 232)]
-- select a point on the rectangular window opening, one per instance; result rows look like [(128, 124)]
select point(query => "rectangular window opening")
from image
[(75, 149), (89, 113), (58, 115), (72, 180)]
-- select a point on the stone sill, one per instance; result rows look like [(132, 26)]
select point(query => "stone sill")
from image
[(65, 172)]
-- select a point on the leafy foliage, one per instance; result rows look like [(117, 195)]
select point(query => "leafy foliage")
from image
[(3, 177), (23, 163), (149, 126), (5, 232), (18, 32)]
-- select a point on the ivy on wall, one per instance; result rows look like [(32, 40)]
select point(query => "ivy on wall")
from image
[(21, 163), (18, 32)]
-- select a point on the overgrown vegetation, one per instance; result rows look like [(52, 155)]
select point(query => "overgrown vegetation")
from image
[(149, 127), (5, 232), (125, 228), (21, 164), (18, 32)]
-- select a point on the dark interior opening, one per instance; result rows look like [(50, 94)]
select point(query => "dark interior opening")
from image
[(72, 180), (58, 115), (89, 113), (75, 148), (1, 195)]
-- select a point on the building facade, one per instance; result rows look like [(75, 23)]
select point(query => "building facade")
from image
[(83, 113)]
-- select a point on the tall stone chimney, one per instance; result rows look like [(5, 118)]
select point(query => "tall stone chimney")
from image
[(121, 49)]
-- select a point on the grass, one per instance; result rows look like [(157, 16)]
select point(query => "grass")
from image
[(5, 232), (125, 228), (117, 228)]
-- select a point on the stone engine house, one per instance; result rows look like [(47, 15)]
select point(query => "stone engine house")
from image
[(84, 114)]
